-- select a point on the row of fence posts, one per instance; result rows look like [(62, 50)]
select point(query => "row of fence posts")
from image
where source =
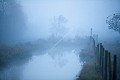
[(106, 65)]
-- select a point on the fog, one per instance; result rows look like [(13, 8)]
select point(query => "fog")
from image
[(81, 16), (65, 66), (43, 39), (29, 20)]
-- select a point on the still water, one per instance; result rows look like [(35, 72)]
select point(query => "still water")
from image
[(48, 66)]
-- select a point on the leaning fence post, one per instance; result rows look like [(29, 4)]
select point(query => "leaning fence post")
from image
[(114, 68)]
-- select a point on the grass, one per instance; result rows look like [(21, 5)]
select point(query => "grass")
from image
[(89, 72)]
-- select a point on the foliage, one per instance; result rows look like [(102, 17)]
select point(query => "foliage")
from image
[(114, 22), (12, 21), (12, 55)]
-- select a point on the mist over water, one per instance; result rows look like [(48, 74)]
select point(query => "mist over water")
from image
[(64, 66), (52, 65)]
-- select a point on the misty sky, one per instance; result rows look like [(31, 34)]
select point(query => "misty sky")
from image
[(81, 16)]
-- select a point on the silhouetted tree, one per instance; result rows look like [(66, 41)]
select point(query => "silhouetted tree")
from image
[(114, 22), (12, 20)]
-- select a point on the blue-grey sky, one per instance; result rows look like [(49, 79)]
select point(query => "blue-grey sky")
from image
[(81, 16)]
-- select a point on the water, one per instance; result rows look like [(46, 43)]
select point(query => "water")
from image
[(62, 66), (57, 64)]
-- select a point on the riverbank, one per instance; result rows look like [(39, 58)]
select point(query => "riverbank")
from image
[(89, 72)]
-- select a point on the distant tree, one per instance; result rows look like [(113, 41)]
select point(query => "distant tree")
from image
[(12, 20), (114, 22), (59, 26)]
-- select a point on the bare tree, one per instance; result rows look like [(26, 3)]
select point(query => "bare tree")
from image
[(59, 25)]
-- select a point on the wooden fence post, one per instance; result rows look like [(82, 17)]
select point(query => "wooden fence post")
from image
[(100, 57), (102, 61), (98, 50), (97, 54), (109, 66), (106, 61), (114, 68)]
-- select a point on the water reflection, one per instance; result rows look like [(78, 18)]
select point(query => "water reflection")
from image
[(64, 66)]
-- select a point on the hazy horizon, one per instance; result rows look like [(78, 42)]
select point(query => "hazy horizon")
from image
[(81, 16)]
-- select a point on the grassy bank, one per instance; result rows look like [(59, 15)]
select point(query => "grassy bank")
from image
[(89, 72)]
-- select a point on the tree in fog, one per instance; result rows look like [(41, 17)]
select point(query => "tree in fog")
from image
[(12, 21), (59, 26), (114, 22)]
